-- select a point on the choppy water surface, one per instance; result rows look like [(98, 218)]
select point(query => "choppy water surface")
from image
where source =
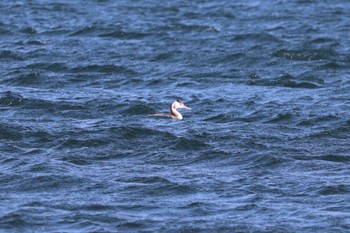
[(264, 149)]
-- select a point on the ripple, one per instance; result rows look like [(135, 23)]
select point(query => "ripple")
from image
[(15, 220), (260, 37), (29, 79), (189, 144), (163, 56), (50, 67), (88, 30), (267, 160), (146, 180), (36, 42), (116, 32), (328, 158), (10, 132), (121, 34), (322, 40), (29, 30), (217, 157), (331, 65), (10, 99), (104, 69), (139, 109), (221, 118), (160, 186), (8, 54), (190, 28), (299, 55), (333, 190), (319, 119), (141, 131), (285, 81), (84, 143), (282, 117), (49, 183), (339, 132)]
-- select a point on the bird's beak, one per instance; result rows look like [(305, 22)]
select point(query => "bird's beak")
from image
[(185, 107)]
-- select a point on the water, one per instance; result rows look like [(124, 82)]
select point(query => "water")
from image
[(265, 147)]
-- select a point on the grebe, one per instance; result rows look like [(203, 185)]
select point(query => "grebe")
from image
[(173, 112)]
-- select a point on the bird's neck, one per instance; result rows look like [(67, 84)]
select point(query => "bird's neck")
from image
[(175, 114)]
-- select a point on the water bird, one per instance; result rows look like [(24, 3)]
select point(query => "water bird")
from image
[(173, 110)]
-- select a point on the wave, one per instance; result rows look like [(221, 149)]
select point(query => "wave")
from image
[(139, 109), (332, 65), (334, 190), (188, 28), (35, 42), (317, 120), (49, 67), (327, 158), (121, 34), (287, 80), (182, 143), (9, 98), (50, 182), (10, 132), (281, 118), (29, 30), (28, 79), (301, 55), (8, 54), (5, 30), (249, 117), (324, 40), (337, 132), (221, 118), (112, 31), (15, 220), (81, 143), (155, 185), (258, 37), (216, 156), (104, 69), (87, 31), (163, 56), (142, 132)]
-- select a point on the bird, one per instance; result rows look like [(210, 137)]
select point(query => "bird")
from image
[(173, 110)]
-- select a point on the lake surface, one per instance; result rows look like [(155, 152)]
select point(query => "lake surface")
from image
[(265, 147)]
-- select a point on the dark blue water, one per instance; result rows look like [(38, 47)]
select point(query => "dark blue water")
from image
[(265, 147)]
